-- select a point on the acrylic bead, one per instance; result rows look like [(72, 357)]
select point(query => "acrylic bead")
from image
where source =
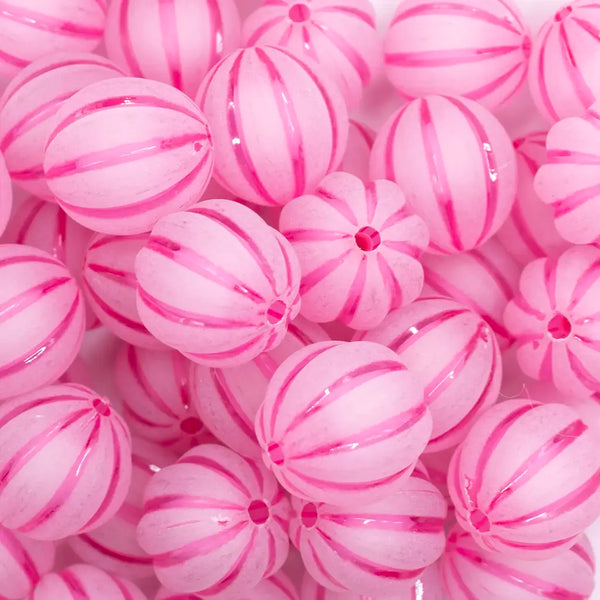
[(215, 523), (42, 314), (359, 247), (456, 165), (358, 152), (343, 423), (269, 162), (125, 152), (513, 483), (28, 110), (454, 353), (219, 308), (6, 195)]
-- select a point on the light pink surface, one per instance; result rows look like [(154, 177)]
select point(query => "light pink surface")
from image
[(215, 523), (456, 165), (359, 248), (6, 195), (358, 151), (124, 152), (272, 161)]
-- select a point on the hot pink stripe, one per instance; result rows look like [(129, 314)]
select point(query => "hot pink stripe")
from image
[(262, 29), (310, 280), (174, 501), (126, 41), (350, 11), (258, 339), (113, 313), (32, 173), (355, 292), (550, 268), (572, 157), (271, 553), (286, 36), (226, 474), (29, 258), (31, 216), (13, 60), (446, 57), (74, 585), (403, 248), (585, 282), (582, 553), (279, 584), (319, 564), (338, 203), (497, 275), (314, 235), (20, 555), (371, 200), (492, 86), (125, 278), (563, 543), (307, 43), (395, 293), (216, 30), (526, 235), (395, 218), (541, 76), (566, 205), (589, 380), (449, 562), (391, 522), (123, 588), (170, 39), (390, 144), (523, 305)]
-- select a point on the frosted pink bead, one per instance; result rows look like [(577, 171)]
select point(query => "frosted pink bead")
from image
[(6, 195), (478, 49), (343, 423), (227, 400), (556, 322), (71, 471), (215, 523), (124, 152), (28, 110), (454, 353), (41, 314), (271, 161), (470, 572), (31, 29), (358, 152), (176, 42), (484, 279), (359, 248), (513, 481), (219, 308), (85, 581), (529, 232), (456, 165)]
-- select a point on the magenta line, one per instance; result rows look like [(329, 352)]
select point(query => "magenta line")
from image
[(15, 61), (216, 31), (170, 39), (175, 501), (18, 552), (585, 282), (588, 379), (444, 58), (566, 205), (364, 16), (527, 237), (321, 567), (387, 522), (271, 553), (313, 278), (28, 222), (355, 292), (264, 28), (124, 588), (314, 235), (74, 585), (307, 42), (258, 339), (125, 278), (523, 305), (541, 75), (338, 203), (395, 218), (391, 283), (126, 41), (215, 467), (125, 558), (550, 268)]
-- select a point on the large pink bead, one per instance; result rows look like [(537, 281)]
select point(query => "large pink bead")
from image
[(469, 572), (31, 29), (28, 110), (359, 248), (176, 42), (454, 353), (219, 308), (42, 319), (343, 422), (478, 49), (271, 161), (456, 165), (215, 523), (484, 279), (358, 152), (227, 400), (71, 471), (514, 484), (6, 195), (556, 321), (124, 152)]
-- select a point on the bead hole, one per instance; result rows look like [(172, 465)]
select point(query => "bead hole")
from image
[(258, 511), (299, 13), (191, 425), (559, 327), (102, 407), (275, 454), (367, 239), (309, 515), (480, 521), (197, 146), (276, 312)]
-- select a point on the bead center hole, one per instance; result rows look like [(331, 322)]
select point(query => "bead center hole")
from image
[(102, 407), (299, 13), (258, 511), (559, 327), (563, 13), (191, 425), (276, 312), (480, 521), (275, 454), (367, 239), (309, 515)]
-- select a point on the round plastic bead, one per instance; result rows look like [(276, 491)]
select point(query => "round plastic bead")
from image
[(215, 523), (271, 161), (219, 308), (358, 152), (6, 195), (124, 152), (359, 247), (456, 165)]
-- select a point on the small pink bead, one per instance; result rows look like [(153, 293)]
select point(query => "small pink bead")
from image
[(484, 279), (270, 161), (556, 321), (456, 165), (513, 481), (343, 422), (71, 472), (359, 248), (176, 42), (358, 152), (454, 353), (215, 523), (227, 400), (124, 152), (33, 29), (6, 195), (28, 110), (43, 316), (220, 308), (478, 49)]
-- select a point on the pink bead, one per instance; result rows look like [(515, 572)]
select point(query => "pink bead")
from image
[(359, 248), (529, 232), (215, 523), (456, 165), (455, 354), (28, 110), (176, 42), (219, 308), (124, 152), (478, 49), (31, 29), (343, 423), (513, 481), (6, 195), (470, 572), (71, 472), (358, 152), (484, 280), (556, 321), (227, 400), (270, 161), (42, 314)]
